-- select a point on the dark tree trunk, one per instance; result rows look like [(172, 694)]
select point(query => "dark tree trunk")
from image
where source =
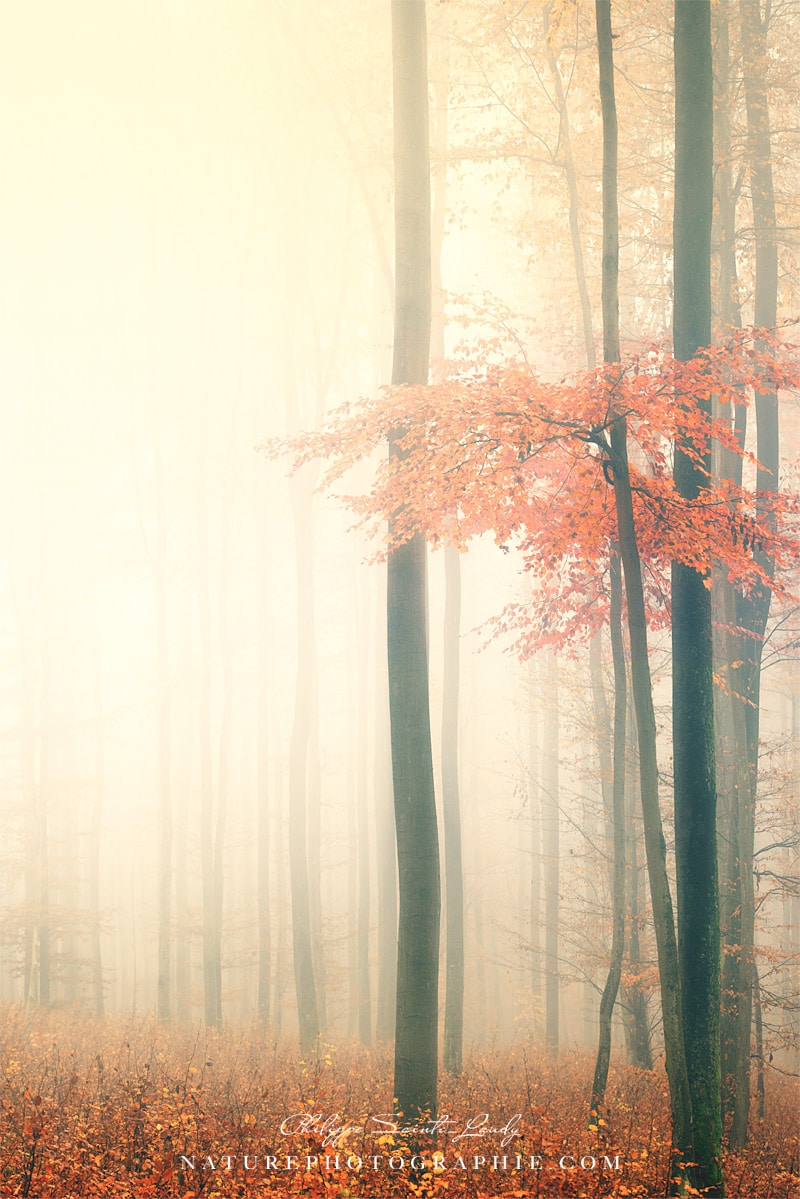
[(416, 1034), (692, 656), (385, 847)]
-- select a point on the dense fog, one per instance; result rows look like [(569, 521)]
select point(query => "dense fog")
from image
[(196, 243)]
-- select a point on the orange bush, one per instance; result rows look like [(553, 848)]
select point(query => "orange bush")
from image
[(130, 1108)]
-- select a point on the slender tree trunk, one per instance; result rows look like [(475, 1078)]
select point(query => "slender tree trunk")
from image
[(210, 981), (753, 608), (262, 787), (386, 848), (637, 1022), (454, 882), (453, 870), (692, 652), (363, 989), (609, 996), (731, 739), (164, 745), (571, 176), (305, 985), (416, 1036), (611, 353), (97, 830), (223, 763), (551, 849), (534, 795)]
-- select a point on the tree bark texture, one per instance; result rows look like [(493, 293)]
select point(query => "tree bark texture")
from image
[(416, 1034), (692, 654)]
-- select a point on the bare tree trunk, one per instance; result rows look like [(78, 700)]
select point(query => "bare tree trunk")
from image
[(363, 990), (571, 176), (454, 881), (305, 983), (164, 744), (611, 353), (211, 1000), (637, 1023), (609, 996), (534, 795), (752, 609), (262, 785), (692, 651), (641, 685), (416, 1036), (551, 850), (97, 829)]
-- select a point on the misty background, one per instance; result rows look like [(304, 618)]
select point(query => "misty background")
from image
[(195, 250)]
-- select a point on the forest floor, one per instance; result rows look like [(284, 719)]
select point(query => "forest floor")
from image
[(131, 1108)]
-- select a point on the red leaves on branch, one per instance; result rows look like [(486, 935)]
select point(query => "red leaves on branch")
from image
[(501, 451)]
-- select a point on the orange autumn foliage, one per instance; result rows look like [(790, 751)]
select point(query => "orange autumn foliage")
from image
[(124, 1107), (501, 451)]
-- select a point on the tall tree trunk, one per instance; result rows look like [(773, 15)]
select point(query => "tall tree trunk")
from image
[(637, 1023), (305, 985), (534, 796), (164, 744), (264, 969), (416, 1035), (692, 654), (611, 353), (551, 850), (752, 609), (609, 996), (363, 989), (453, 869), (655, 847), (733, 781), (97, 829), (454, 881), (386, 849), (211, 1003)]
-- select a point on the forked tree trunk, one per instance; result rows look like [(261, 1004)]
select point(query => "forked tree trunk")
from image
[(416, 1035), (655, 847)]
